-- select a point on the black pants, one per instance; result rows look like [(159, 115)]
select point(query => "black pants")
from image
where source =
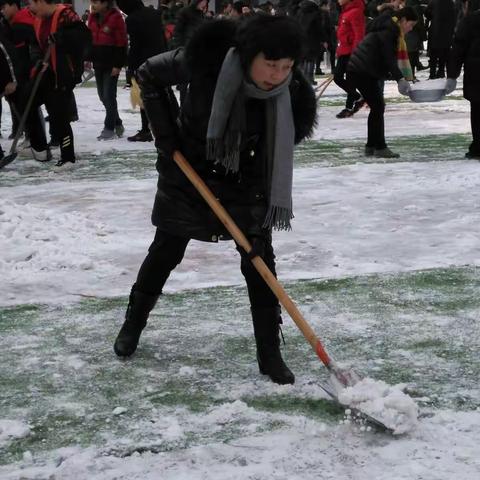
[(475, 122), (438, 60), (167, 251), (341, 79), (58, 102), (308, 68), (145, 126), (107, 92), (414, 58), (372, 91), (18, 101)]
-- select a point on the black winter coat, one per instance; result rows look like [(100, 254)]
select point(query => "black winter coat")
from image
[(178, 208), (314, 24), (441, 16), (146, 34), (416, 37), (376, 54), (466, 52), (187, 21)]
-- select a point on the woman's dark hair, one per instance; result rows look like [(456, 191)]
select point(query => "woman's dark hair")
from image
[(274, 36), (408, 13)]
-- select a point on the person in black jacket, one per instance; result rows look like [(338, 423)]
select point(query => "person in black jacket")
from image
[(466, 52), (374, 60), (188, 19), (246, 106), (147, 38), (312, 22), (441, 19)]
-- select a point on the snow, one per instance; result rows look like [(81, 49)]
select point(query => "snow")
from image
[(387, 404), (12, 429), (71, 234), (436, 84)]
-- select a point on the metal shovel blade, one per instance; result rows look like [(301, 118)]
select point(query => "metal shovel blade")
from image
[(8, 159)]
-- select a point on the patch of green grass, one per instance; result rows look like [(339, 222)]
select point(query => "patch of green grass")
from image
[(58, 371), (428, 148)]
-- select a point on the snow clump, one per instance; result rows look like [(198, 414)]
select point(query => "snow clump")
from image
[(386, 403)]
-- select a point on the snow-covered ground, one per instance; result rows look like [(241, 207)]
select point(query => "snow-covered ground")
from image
[(82, 231)]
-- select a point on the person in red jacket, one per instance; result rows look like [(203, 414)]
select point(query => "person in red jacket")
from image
[(19, 31), (350, 31), (60, 32), (108, 54)]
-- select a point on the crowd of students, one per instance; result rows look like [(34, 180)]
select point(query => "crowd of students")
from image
[(49, 42)]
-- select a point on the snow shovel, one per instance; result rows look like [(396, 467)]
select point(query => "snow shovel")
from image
[(345, 377), (340, 378), (12, 154)]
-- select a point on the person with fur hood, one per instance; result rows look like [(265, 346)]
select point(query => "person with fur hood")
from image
[(350, 31), (466, 52), (246, 107), (382, 55)]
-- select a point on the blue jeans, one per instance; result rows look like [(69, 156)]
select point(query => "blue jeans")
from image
[(107, 92)]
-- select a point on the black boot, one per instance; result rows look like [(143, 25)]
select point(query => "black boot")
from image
[(139, 306), (266, 325)]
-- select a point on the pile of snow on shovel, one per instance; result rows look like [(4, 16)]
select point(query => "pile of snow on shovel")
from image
[(388, 404)]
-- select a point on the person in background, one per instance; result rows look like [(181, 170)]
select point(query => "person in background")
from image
[(441, 21), (17, 27), (350, 31), (147, 38), (60, 31), (311, 19), (416, 37), (8, 79), (108, 56), (466, 52), (382, 55), (246, 106), (188, 19)]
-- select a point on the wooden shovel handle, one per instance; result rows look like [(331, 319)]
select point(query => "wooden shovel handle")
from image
[(258, 262)]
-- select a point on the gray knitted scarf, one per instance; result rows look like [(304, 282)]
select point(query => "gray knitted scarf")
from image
[(227, 123)]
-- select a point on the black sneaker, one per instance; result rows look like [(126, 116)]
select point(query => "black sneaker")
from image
[(141, 136), (369, 151), (385, 153), (472, 156), (358, 105), (345, 113), (63, 162)]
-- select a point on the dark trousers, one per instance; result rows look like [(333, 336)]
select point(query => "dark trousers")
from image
[(107, 92), (145, 126), (167, 251), (438, 60), (414, 58), (18, 101), (372, 91), (475, 122), (308, 68), (341, 79), (58, 102)]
